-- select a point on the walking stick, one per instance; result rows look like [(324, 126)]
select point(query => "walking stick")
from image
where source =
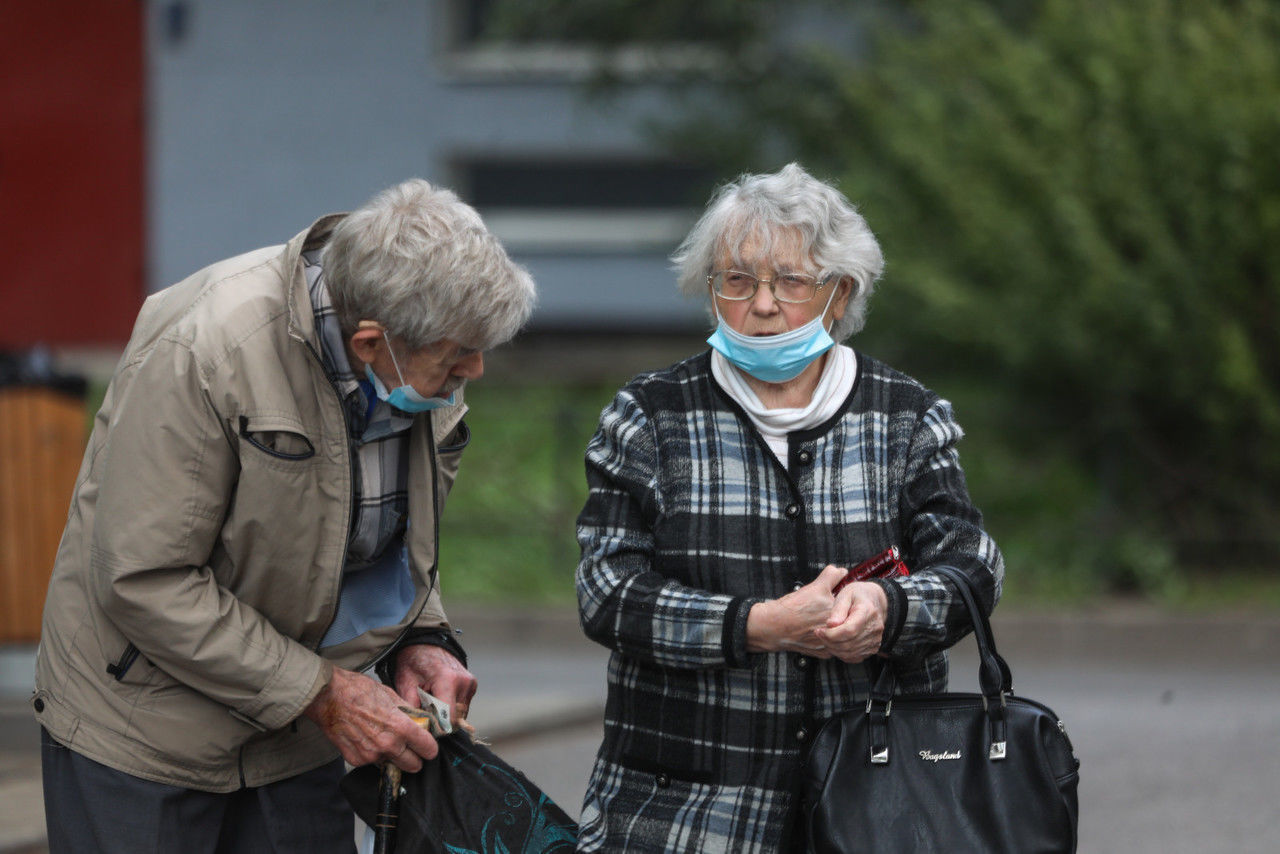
[(384, 830), (434, 718)]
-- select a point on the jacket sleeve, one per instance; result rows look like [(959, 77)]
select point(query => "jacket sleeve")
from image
[(169, 475), (624, 601), (941, 527)]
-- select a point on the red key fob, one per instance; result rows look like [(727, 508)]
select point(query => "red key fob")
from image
[(887, 564)]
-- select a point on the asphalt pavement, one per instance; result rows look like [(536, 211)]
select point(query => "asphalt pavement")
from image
[(1175, 718)]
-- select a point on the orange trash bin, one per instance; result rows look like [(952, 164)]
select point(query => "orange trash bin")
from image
[(42, 440)]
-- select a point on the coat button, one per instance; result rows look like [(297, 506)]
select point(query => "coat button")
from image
[(805, 457), (39, 705), (802, 734), (797, 585), (792, 511), (802, 662), (662, 780)]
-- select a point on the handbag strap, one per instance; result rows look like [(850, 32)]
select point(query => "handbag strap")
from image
[(994, 677), (993, 671)]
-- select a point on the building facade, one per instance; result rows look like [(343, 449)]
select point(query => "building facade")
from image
[(264, 115)]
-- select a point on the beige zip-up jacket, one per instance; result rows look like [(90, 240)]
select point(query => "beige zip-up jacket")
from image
[(204, 547)]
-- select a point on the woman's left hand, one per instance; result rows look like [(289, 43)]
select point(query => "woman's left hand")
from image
[(856, 626)]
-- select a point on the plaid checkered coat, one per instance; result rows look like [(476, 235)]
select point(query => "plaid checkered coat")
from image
[(690, 520)]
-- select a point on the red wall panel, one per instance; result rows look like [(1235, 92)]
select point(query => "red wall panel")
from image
[(71, 171)]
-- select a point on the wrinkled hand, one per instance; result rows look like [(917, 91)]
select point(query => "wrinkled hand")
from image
[(855, 627), (362, 718), (793, 622), (436, 671)]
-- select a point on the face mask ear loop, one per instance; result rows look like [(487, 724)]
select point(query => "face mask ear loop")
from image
[(824, 309), (715, 307), (399, 375)]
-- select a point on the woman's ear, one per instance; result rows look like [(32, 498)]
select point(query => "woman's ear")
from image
[(844, 290)]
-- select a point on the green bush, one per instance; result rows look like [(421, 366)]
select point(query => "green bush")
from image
[(1079, 202), (508, 527), (1082, 209)]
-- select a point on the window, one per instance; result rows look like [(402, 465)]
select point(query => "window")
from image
[(602, 204), (489, 39)]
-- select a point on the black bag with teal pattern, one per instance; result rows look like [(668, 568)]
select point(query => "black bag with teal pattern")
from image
[(467, 800)]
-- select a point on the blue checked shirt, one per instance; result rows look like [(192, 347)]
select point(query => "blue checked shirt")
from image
[(690, 519), (377, 589)]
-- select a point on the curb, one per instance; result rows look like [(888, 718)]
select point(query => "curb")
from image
[(1145, 632), (521, 625), (545, 726)]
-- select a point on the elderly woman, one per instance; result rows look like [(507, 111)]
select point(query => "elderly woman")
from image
[(727, 496)]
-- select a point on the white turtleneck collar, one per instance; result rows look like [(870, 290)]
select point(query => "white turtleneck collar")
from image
[(833, 388)]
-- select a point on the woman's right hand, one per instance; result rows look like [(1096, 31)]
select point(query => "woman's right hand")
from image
[(791, 623)]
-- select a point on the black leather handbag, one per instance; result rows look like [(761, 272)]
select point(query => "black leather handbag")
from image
[(953, 772)]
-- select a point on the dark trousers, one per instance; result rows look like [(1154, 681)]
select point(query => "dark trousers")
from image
[(92, 808)]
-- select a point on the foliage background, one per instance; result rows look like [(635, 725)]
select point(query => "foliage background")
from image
[(1079, 202), (508, 526)]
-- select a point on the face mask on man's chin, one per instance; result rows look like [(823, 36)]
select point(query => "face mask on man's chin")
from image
[(405, 397)]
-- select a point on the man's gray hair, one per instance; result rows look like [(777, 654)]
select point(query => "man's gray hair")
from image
[(419, 260), (762, 207)]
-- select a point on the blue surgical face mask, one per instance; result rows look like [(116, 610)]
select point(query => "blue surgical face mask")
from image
[(404, 397), (773, 358)]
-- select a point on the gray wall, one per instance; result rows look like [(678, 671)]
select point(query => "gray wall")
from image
[(264, 115)]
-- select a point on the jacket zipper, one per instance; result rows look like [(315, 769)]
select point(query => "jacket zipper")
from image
[(350, 479)]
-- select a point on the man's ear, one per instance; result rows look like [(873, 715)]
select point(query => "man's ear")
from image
[(365, 341)]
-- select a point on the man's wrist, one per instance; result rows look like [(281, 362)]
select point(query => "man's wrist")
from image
[(319, 693), (441, 636)]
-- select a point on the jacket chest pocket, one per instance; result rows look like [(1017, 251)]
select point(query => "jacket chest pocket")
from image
[(280, 440), (287, 495)]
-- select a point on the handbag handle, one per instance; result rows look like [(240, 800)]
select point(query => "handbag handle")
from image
[(993, 672), (994, 677)]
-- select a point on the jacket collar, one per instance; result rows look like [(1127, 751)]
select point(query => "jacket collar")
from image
[(302, 321)]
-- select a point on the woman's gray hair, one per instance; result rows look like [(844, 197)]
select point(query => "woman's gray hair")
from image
[(832, 232), (419, 260)]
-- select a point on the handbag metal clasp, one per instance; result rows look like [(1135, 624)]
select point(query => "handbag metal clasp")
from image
[(1003, 703), (888, 707), (999, 747), (879, 756)]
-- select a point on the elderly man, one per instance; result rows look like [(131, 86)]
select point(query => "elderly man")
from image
[(255, 525)]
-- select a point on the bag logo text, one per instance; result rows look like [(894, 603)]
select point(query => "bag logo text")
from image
[(930, 756)]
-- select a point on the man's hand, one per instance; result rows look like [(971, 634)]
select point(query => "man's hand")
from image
[(793, 622), (362, 718), (436, 671), (855, 628)]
